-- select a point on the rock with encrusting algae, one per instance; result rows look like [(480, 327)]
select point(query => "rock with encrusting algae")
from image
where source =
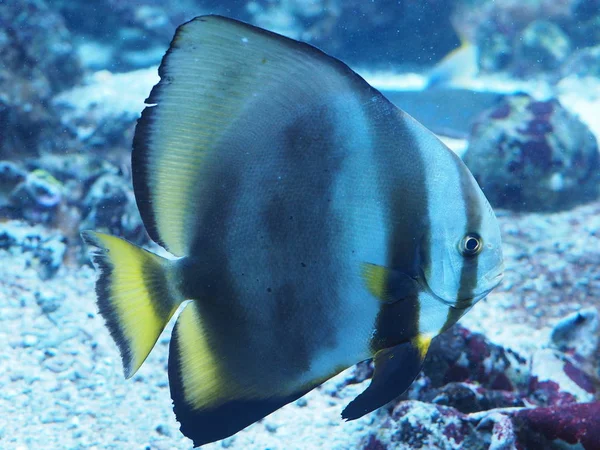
[(477, 394), (423, 425), (37, 197), (578, 332), (530, 155), (572, 424), (469, 398), (542, 46), (558, 379), (462, 356), (466, 371)]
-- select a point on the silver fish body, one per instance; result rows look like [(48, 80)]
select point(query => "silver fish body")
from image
[(316, 225)]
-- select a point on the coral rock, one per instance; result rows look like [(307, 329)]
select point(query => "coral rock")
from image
[(422, 425), (111, 208), (557, 379), (543, 46), (577, 423), (578, 332), (530, 155)]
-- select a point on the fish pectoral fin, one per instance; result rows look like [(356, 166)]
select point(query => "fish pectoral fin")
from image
[(207, 404), (388, 285), (395, 369)]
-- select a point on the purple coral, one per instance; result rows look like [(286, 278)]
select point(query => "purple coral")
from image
[(579, 377), (576, 423)]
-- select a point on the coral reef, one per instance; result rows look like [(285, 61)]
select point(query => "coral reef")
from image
[(131, 34), (528, 38), (110, 207), (38, 60), (11, 176), (530, 155), (33, 196), (584, 62), (102, 113), (347, 28), (134, 34), (503, 399), (71, 193), (36, 198), (543, 46)]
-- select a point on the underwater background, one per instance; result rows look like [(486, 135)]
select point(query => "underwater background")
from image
[(512, 86)]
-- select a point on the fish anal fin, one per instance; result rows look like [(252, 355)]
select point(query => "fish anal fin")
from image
[(193, 369), (207, 403), (218, 422), (395, 370)]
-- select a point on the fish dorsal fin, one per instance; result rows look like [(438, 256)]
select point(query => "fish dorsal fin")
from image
[(217, 77)]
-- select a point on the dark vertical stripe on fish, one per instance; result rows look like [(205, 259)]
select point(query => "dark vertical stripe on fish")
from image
[(301, 174), (408, 221), (468, 282), (299, 204)]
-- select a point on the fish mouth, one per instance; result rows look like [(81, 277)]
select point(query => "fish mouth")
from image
[(491, 282)]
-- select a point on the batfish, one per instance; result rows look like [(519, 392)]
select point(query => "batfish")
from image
[(313, 225)]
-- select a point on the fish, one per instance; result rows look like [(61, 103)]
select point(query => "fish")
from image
[(312, 225), (457, 67)]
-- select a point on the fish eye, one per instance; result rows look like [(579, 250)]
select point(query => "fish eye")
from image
[(471, 244)]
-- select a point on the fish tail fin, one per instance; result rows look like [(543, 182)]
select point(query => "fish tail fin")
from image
[(136, 295)]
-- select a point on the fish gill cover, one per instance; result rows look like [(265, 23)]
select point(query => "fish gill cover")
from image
[(520, 370)]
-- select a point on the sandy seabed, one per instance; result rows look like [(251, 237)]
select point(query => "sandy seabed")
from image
[(62, 385)]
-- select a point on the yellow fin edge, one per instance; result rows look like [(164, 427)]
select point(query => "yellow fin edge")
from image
[(202, 383)]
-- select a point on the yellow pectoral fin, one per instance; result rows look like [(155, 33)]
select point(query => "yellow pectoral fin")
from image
[(376, 280), (388, 285)]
